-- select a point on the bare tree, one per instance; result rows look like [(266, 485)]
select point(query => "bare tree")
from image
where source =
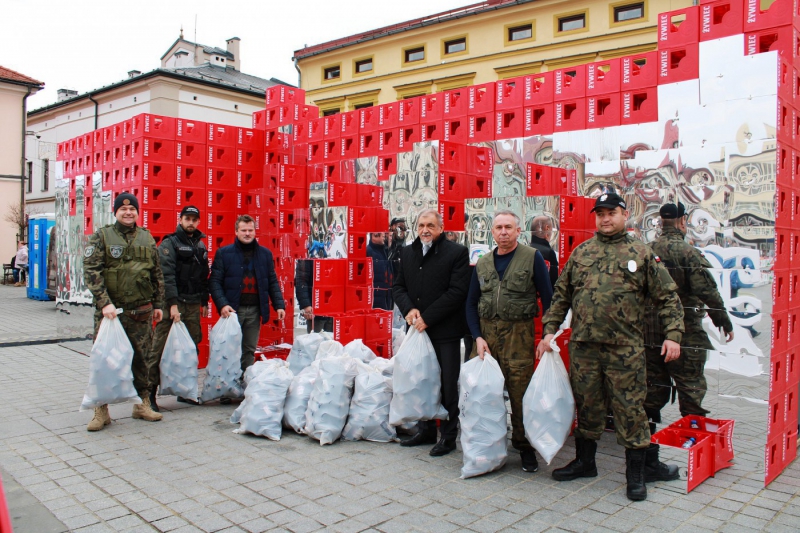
[(16, 215)]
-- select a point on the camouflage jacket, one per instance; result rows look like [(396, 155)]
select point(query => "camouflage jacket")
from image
[(696, 286), (606, 282), (94, 266)]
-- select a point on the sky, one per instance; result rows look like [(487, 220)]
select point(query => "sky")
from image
[(86, 44)]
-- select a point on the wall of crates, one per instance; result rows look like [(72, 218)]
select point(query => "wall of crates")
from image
[(709, 119)]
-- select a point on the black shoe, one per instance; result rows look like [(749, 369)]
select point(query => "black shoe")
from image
[(224, 401), (529, 462), (634, 473), (583, 465), (419, 439), (443, 447), (655, 470), (610, 427), (153, 404), (181, 399)]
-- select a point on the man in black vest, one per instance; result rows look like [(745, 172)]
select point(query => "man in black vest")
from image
[(430, 289), (501, 305), (184, 262)]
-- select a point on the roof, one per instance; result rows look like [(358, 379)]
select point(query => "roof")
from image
[(438, 18), (206, 49), (210, 75), (6, 74)]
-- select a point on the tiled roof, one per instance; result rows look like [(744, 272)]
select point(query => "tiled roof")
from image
[(6, 74), (224, 76)]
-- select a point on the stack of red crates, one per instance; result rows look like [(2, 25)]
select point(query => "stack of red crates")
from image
[(464, 172)]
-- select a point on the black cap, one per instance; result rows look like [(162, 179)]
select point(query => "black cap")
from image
[(672, 211), (610, 200), (190, 210), (125, 198), (397, 221)]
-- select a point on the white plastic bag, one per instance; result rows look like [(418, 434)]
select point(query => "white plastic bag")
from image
[(483, 417), (548, 405), (416, 382), (330, 400), (384, 366), (294, 410), (179, 364), (329, 348), (224, 368), (252, 372), (398, 336), (369, 409), (357, 350), (304, 351), (110, 374), (262, 408)]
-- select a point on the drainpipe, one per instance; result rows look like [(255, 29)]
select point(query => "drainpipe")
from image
[(22, 160), (299, 75), (96, 104)]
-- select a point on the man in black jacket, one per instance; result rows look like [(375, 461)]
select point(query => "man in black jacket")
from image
[(243, 281), (184, 262), (304, 290), (541, 233), (430, 289)]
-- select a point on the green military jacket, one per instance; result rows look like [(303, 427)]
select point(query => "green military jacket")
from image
[(120, 266), (514, 298), (696, 287), (606, 283)]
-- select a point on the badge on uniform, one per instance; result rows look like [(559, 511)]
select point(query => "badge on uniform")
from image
[(165, 250), (115, 251), (89, 251), (632, 265)]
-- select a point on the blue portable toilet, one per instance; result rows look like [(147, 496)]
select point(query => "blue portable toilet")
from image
[(38, 242)]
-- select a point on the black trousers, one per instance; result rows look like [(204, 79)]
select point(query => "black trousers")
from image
[(449, 355)]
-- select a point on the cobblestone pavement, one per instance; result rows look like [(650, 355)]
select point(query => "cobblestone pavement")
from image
[(29, 320), (190, 473)]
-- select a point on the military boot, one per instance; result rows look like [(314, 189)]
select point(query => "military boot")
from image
[(100, 419), (145, 412), (583, 465), (655, 470), (153, 404), (634, 472)]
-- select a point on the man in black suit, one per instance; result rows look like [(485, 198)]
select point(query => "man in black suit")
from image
[(430, 289)]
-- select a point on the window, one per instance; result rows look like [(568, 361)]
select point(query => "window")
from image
[(415, 54), (332, 73), (329, 112), (520, 33), (364, 65), (30, 176), (455, 46), (571, 23), (629, 12), (361, 106), (45, 174)]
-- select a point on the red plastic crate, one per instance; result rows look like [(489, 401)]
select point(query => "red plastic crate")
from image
[(774, 458), (189, 196), (570, 115), (378, 326), (431, 130), (456, 102), (357, 244), (678, 64), (221, 199), (292, 197), (481, 127), (603, 111), (282, 94), (479, 161), (777, 14), (481, 98), (152, 149), (185, 175), (328, 301), (222, 156), (431, 108), (453, 215), (370, 195), (639, 106), (603, 77), (388, 115), (315, 131), (348, 327), (777, 374), (721, 19), (348, 123), (640, 70), (538, 120), (362, 219), (220, 178), (453, 186), (569, 83), (358, 298), (408, 111), (538, 182), (387, 140), (154, 126), (248, 158), (408, 135), (778, 39), (260, 119), (156, 196), (191, 131), (780, 331), (367, 119), (721, 432), (452, 157), (509, 123), (387, 165), (510, 93), (158, 221), (456, 129), (700, 457), (368, 144), (679, 27), (190, 153)]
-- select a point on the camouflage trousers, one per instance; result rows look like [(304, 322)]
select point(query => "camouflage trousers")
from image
[(140, 335), (606, 374), (513, 345), (686, 372), (190, 315)]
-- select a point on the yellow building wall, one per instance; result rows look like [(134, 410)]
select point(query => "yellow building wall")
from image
[(488, 57)]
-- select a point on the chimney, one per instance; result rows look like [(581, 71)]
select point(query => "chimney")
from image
[(233, 48), (133, 73), (65, 94)]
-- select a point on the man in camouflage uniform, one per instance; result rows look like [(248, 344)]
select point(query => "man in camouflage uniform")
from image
[(606, 282), (120, 266), (501, 304), (696, 290), (184, 262)]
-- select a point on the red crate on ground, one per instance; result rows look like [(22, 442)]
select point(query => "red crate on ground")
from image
[(774, 458), (700, 457), (722, 436)]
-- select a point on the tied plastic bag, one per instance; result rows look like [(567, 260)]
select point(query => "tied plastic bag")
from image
[(330, 400), (483, 416), (224, 360), (416, 382), (294, 410), (548, 405), (329, 348), (252, 372), (369, 409), (357, 350), (110, 374), (264, 398), (179, 364), (304, 351), (384, 366), (398, 336)]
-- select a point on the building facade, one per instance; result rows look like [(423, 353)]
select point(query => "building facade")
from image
[(198, 88), (480, 43), (14, 91)]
